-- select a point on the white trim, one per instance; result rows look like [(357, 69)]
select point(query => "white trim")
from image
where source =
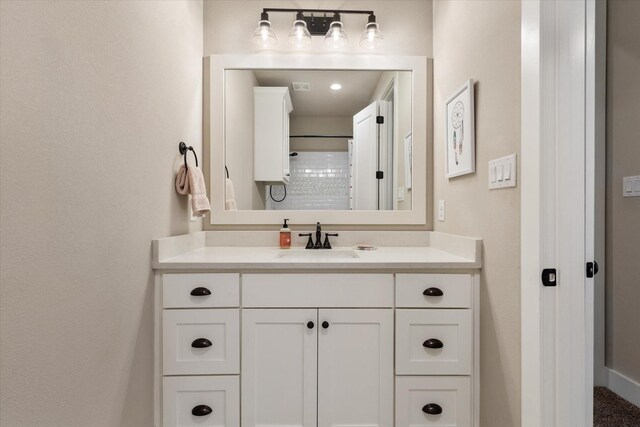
[(596, 115), (214, 128), (531, 292), (624, 386)]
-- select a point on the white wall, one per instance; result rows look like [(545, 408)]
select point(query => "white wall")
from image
[(480, 40), (622, 214), (95, 98)]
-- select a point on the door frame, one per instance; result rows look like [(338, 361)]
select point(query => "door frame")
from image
[(563, 58)]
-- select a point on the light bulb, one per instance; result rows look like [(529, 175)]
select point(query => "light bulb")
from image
[(371, 37), (336, 37), (299, 35), (264, 36)]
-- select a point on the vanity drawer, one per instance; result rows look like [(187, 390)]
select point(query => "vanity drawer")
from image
[(201, 290), (317, 290), (438, 342), (201, 342), (433, 401), (201, 401), (433, 290)]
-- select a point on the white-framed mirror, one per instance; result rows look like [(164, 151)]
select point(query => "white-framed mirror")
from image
[(332, 138)]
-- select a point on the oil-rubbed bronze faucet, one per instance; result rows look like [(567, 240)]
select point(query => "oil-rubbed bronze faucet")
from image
[(318, 244)]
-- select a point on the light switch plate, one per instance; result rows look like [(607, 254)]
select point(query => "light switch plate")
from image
[(631, 186), (441, 210), (502, 172)]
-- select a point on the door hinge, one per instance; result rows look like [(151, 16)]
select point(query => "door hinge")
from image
[(592, 269), (379, 175), (380, 120), (549, 277)]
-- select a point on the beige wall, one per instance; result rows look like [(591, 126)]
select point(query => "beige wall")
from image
[(239, 129), (405, 24), (320, 126), (403, 127), (480, 40), (623, 214), (95, 98)]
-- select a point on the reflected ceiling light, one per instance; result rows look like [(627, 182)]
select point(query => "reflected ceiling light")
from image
[(335, 86), (371, 37), (264, 36), (299, 35), (336, 37)]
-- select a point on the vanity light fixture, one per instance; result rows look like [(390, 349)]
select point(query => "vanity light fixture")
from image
[(336, 37), (318, 22), (371, 37), (335, 86), (299, 36), (264, 36)]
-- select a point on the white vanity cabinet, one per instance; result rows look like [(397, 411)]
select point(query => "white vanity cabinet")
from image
[(334, 349), (272, 107)]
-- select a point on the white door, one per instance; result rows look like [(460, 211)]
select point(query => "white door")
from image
[(355, 368), (559, 128), (279, 367), (365, 159), (386, 154)]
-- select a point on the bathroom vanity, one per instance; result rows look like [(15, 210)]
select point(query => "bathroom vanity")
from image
[(256, 336)]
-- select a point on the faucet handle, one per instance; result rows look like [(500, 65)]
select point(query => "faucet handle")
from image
[(309, 242), (326, 244)]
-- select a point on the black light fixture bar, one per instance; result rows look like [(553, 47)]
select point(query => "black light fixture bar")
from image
[(328, 11), (319, 25)]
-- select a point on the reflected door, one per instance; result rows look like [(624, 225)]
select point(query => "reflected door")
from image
[(365, 159)]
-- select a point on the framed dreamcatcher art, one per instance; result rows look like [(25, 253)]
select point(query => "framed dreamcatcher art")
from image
[(459, 132)]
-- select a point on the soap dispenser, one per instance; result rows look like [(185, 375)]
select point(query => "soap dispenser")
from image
[(285, 235)]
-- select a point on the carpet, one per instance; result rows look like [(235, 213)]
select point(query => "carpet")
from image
[(610, 410)]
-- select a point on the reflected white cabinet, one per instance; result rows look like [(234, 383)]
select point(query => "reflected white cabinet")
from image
[(272, 107)]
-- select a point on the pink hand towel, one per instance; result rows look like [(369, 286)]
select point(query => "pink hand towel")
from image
[(191, 181)]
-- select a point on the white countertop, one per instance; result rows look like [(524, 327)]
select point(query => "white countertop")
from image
[(241, 258)]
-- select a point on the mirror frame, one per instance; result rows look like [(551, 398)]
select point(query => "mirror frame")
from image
[(421, 120)]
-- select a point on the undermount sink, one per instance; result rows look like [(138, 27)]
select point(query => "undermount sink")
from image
[(318, 254)]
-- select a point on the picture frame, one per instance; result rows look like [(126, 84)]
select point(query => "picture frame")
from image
[(408, 160), (459, 132)]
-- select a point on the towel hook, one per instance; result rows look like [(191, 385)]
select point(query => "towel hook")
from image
[(183, 148)]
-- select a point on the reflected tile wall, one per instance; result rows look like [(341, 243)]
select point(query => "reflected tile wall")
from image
[(319, 181)]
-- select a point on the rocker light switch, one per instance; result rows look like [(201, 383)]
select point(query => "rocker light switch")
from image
[(502, 172)]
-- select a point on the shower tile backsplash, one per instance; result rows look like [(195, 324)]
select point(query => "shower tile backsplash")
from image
[(319, 181)]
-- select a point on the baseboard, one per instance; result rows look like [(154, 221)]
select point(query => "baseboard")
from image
[(624, 387)]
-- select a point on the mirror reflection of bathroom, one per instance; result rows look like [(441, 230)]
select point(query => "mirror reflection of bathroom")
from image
[(319, 139)]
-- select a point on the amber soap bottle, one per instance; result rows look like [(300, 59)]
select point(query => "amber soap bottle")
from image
[(285, 236)]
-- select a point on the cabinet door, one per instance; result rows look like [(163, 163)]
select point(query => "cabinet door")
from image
[(285, 141), (355, 368), (279, 367)]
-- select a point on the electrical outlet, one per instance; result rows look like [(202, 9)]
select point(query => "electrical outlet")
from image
[(631, 186), (441, 210)]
